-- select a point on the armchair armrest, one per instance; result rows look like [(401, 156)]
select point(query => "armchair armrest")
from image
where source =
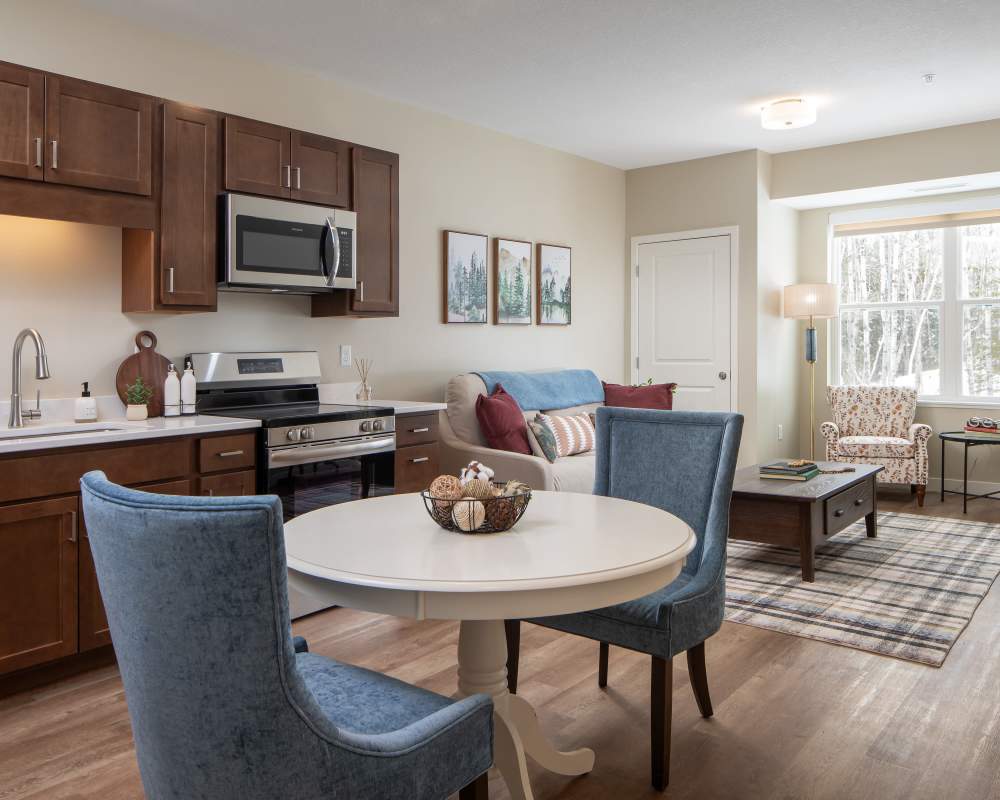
[(456, 453), (831, 433), (919, 433)]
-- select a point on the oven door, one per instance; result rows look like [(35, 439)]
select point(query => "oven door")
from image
[(281, 246), (307, 477)]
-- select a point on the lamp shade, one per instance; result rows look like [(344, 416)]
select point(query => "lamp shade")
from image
[(816, 300)]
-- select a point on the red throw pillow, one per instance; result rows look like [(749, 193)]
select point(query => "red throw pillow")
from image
[(657, 395), (502, 422)]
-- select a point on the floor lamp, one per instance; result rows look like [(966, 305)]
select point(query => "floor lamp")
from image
[(811, 301)]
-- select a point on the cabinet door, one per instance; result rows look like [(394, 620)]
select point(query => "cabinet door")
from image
[(416, 466), (320, 170), (188, 213), (257, 158), (229, 484), (22, 122), (38, 582), (93, 621), (98, 136), (376, 201)]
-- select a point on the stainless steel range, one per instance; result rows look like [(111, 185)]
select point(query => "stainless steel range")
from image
[(310, 454)]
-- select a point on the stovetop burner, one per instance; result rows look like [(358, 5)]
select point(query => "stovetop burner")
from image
[(276, 416)]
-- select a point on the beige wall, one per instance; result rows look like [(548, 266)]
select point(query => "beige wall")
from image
[(984, 462), (955, 151), (779, 348), (64, 279), (709, 193)]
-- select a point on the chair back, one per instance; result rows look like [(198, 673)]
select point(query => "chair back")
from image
[(680, 461), (872, 410), (196, 598)]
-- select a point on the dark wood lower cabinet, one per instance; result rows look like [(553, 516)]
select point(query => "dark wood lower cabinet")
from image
[(51, 612), (38, 580), (417, 452)]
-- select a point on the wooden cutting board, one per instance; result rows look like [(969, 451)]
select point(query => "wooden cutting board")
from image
[(150, 365)]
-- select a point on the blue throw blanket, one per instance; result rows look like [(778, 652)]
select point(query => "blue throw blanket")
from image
[(544, 390)]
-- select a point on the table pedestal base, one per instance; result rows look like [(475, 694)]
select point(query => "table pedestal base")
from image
[(482, 667)]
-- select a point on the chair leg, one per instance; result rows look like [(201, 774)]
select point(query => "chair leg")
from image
[(913, 488), (660, 710), (602, 665), (699, 678), (479, 789), (512, 627), (921, 491)]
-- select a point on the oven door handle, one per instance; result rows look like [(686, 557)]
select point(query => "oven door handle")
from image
[(308, 454)]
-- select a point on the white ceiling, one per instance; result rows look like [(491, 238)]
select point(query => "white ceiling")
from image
[(631, 82)]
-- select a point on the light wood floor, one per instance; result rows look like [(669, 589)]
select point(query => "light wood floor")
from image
[(794, 718)]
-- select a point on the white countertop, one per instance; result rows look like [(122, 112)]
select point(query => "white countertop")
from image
[(344, 393), (48, 433)]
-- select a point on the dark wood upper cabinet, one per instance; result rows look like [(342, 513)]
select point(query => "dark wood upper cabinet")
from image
[(188, 217), (98, 136), (376, 201), (22, 122), (258, 158), (38, 582), (320, 170)]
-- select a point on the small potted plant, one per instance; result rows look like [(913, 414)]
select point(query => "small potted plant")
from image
[(138, 395)]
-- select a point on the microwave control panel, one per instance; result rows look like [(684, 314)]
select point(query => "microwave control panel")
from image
[(346, 237)]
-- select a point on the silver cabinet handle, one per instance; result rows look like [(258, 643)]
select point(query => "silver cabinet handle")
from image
[(361, 288), (298, 177), (288, 176), (211, 493), (170, 280), (55, 154), (72, 523), (38, 151), (420, 460), (419, 430), (230, 453)]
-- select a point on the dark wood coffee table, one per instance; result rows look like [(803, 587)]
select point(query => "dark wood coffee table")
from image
[(802, 514)]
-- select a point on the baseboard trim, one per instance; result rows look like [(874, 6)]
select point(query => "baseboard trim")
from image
[(955, 485)]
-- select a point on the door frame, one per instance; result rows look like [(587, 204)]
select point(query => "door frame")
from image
[(733, 232)]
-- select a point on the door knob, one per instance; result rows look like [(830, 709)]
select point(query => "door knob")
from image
[(723, 376)]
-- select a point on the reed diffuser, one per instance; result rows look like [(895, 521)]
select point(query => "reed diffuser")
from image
[(364, 367)]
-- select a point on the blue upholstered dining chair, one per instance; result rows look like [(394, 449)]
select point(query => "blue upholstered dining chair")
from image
[(223, 704), (682, 462)]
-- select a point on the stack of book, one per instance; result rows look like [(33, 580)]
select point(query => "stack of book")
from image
[(789, 470), (981, 429)]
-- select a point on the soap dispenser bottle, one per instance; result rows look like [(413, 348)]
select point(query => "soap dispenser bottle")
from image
[(85, 406), (189, 387), (172, 394)]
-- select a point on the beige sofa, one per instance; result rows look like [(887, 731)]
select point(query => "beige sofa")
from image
[(462, 442)]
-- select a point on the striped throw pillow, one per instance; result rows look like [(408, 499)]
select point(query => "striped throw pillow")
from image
[(573, 434)]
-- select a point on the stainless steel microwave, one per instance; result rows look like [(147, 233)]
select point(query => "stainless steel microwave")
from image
[(278, 246)]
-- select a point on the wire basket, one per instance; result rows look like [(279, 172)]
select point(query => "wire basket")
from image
[(469, 515)]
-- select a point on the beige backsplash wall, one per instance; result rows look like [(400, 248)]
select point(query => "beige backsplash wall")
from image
[(984, 462), (64, 278)]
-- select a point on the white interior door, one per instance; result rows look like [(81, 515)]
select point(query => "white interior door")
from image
[(683, 326)]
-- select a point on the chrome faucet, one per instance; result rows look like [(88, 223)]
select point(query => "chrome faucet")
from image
[(16, 419)]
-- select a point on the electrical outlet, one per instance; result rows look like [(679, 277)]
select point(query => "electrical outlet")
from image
[(345, 355), (781, 431)]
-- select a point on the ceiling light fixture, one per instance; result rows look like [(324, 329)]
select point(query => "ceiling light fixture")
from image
[(793, 112)]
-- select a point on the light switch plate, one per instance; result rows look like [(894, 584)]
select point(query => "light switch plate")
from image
[(345, 355)]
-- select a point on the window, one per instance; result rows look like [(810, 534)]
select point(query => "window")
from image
[(920, 305)]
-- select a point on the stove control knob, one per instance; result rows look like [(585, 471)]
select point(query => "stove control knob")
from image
[(294, 434), (378, 425), (308, 433), (366, 426)]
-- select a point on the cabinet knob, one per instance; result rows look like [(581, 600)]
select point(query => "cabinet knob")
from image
[(839, 512), (859, 501)]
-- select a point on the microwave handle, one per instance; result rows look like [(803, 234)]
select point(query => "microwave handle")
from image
[(331, 273)]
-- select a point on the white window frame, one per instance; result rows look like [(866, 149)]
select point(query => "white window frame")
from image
[(951, 305)]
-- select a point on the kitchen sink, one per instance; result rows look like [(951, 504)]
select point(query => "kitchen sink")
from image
[(63, 430)]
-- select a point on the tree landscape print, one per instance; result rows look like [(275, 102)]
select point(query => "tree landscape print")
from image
[(465, 276), (512, 262), (555, 293)]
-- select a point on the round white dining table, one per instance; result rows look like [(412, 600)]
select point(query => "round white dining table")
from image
[(569, 552)]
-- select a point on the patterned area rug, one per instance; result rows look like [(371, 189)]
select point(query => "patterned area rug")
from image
[(908, 593)]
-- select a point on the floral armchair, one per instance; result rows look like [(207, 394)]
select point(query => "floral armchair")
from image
[(874, 425)]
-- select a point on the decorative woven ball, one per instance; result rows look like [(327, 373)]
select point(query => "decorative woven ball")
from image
[(476, 470), (481, 490), (501, 512), (446, 488), (468, 515), (513, 487)]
